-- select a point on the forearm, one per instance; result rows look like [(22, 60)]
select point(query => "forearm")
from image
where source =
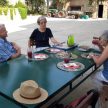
[(18, 51), (54, 41), (15, 55), (101, 47)]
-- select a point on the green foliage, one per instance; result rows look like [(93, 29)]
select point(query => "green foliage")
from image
[(23, 12), (36, 6), (0, 11), (11, 13), (10, 6), (5, 10), (20, 4), (14, 11), (3, 2)]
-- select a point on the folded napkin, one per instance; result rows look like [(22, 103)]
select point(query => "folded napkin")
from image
[(54, 50), (39, 56), (71, 65)]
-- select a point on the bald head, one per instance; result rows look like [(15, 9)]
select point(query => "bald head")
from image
[(3, 31), (2, 26)]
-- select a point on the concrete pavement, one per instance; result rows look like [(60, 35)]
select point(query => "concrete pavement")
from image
[(83, 30)]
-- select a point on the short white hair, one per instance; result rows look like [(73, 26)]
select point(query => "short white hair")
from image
[(105, 35), (2, 26), (41, 18)]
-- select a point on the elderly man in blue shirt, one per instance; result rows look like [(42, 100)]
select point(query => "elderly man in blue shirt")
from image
[(8, 50)]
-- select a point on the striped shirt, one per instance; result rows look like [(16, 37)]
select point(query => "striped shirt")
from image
[(6, 50)]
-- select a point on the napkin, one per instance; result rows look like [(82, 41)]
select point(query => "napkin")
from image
[(71, 65), (54, 50), (38, 56)]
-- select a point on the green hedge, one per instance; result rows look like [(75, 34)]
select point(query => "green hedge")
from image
[(0, 11), (23, 12), (5, 10), (11, 13)]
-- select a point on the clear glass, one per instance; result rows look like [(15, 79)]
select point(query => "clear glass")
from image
[(30, 53)]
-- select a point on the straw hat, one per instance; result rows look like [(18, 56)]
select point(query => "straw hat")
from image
[(30, 93)]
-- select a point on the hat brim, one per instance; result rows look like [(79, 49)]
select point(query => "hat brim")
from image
[(17, 97)]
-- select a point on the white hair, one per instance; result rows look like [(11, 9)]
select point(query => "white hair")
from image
[(105, 35), (41, 18)]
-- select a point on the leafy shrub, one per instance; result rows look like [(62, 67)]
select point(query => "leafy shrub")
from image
[(14, 11), (23, 12), (0, 11), (11, 13), (4, 2), (5, 10), (20, 4)]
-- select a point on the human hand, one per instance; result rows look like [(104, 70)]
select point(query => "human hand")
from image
[(90, 55), (95, 41)]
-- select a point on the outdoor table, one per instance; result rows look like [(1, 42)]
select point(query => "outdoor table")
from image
[(5, 103), (44, 72)]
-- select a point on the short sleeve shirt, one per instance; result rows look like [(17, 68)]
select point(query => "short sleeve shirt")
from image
[(6, 50), (41, 38)]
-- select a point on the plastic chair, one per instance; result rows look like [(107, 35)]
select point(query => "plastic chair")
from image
[(89, 99), (32, 42)]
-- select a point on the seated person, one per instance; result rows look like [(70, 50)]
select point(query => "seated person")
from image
[(40, 36), (8, 50), (101, 76), (102, 43)]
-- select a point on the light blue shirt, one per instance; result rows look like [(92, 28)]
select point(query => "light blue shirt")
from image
[(6, 50)]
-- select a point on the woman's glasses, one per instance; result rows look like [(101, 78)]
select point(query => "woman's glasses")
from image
[(43, 22)]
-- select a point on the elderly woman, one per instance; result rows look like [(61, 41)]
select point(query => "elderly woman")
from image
[(102, 76), (40, 36), (103, 58), (8, 50)]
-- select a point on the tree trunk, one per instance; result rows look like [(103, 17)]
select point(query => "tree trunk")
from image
[(47, 6)]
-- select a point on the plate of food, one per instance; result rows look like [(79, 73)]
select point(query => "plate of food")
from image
[(85, 55), (62, 55), (40, 56), (73, 56), (71, 66), (52, 50), (83, 48)]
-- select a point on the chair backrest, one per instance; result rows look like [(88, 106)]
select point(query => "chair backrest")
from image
[(86, 101), (89, 99), (32, 42)]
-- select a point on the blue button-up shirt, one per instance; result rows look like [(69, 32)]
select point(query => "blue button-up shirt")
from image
[(6, 50)]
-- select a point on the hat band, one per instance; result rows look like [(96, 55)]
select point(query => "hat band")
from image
[(29, 98)]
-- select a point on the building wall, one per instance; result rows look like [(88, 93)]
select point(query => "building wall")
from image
[(86, 7)]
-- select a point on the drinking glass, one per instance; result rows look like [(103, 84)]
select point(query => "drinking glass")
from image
[(30, 53), (95, 41), (66, 60)]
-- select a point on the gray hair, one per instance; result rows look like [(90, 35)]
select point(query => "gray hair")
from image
[(104, 35), (2, 26), (40, 19)]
